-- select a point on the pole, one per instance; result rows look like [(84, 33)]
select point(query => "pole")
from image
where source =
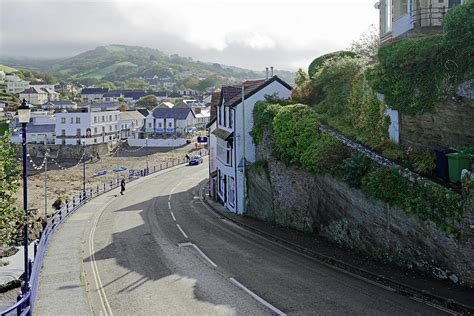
[(146, 150), (26, 285), (83, 168), (45, 180), (243, 148)]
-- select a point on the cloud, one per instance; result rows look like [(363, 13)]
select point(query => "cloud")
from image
[(246, 33)]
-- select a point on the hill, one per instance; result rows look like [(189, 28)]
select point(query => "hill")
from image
[(122, 64), (7, 69)]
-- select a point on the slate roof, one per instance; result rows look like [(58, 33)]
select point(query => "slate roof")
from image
[(222, 133), (61, 103), (232, 95), (104, 106), (46, 128), (94, 90), (175, 113), (144, 112), (112, 94), (33, 90)]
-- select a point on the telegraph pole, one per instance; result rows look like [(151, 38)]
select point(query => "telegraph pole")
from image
[(84, 169), (46, 178), (243, 148)]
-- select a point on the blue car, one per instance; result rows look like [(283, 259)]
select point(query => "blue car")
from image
[(195, 160)]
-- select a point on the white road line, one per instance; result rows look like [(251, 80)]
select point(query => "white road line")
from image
[(95, 270), (182, 231), (258, 298), (204, 256), (190, 244), (172, 190), (169, 205), (172, 215)]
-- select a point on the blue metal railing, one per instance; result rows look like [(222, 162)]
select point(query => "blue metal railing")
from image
[(25, 302)]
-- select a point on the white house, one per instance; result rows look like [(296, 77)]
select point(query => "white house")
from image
[(59, 105), (15, 84), (235, 147), (41, 128), (35, 96), (212, 148), (203, 116), (2, 75), (169, 122), (131, 124), (405, 18), (94, 124), (93, 94)]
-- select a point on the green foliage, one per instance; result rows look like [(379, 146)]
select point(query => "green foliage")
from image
[(415, 74), (354, 168), (368, 44), (385, 184), (263, 114), (319, 62), (10, 215), (421, 160), (301, 77), (149, 102), (306, 93)]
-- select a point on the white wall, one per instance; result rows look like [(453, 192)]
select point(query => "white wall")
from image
[(170, 142)]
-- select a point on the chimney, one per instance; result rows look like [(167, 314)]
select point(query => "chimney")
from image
[(271, 71), (266, 71)]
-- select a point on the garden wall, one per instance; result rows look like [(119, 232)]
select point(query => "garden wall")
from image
[(449, 124), (346, 216)]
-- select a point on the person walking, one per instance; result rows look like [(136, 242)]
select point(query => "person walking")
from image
[(187, 157), (122, 186)]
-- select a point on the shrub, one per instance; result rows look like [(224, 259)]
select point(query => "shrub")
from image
[(306, 93), (386, 184), (317, 63), (330, 153), (421, 160), (263, 114), (354, 168)]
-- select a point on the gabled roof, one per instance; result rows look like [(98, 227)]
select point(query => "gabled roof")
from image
[(113, 94), (94, 90), (175, 113), (144, 112), (232, 95), (131, 115), (61, 103), (33, 90)]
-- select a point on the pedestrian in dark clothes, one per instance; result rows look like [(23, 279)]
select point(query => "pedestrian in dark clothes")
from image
[(122, 186), (187, 157)]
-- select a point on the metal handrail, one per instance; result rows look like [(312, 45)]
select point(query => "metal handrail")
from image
[(25, 303)]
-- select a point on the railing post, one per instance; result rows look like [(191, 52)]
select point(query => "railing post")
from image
[(67, 206), (20, 307), (104, 186), (154, 169), (90, 190), (73, 202), (97, 190), (30, 267), (35, 248)]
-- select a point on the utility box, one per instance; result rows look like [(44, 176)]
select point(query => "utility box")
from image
[(456, 163)]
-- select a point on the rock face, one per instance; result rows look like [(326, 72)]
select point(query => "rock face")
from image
[(449, 124), (346, 216)]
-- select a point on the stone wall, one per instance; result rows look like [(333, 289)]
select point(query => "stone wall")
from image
[(346, 216), (68, 151), (449, 124)]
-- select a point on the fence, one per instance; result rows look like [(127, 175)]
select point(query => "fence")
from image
[(26, 301)]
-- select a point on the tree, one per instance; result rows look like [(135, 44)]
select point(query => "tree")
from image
[(149, 102), (368, 44), (10, 215), (107, 84), (301, 77), (137, 83)]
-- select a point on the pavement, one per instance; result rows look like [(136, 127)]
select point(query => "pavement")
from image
[(160, 250)]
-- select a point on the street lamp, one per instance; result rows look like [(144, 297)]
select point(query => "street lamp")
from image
[(146, 150), (24, 118), (84, 169)]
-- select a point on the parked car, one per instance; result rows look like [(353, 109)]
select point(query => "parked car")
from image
[(195, 160)]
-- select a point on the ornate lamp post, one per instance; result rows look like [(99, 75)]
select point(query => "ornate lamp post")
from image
[(24, 118)]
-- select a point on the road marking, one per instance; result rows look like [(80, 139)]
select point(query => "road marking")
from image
[(172, 215), (169, 205), (190, 244), (182, 231), (172, 190), (258, 298), (95, 270)]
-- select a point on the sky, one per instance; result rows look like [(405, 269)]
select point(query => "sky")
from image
[(252, 34)]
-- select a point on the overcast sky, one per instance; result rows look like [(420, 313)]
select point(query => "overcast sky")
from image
[(245, 33)]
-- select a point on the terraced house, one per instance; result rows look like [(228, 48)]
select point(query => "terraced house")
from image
[(235, 147)]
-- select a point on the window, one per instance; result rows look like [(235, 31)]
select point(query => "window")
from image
[(95, 119), (110, 118), (386, 17), (63, 120), (103, 118), (231, 117), (63, 131), (231, 192), (72, 120), (116, 117), (115, 127), (160, 125), (103, 129), (95, 140), (110, 128), (400, 9), (78, 132), (78, 120), (170, 124), (224, 152), (149, 125), (95, 130), (225, 114)]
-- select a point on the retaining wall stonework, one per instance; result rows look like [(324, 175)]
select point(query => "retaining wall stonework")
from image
[(346, 216)]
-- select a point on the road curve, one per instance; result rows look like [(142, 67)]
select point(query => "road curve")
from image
[(158, 250)]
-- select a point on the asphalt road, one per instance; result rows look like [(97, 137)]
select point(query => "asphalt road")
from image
[(158, 250)]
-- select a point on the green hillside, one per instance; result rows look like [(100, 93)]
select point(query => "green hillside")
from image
[(7, 69), (121, 64)]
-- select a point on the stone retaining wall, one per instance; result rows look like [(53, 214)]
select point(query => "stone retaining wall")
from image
[(346, 216)]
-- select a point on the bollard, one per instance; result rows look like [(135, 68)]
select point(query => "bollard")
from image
[(73, 202), (97, 190), (104, 186), (90, 192)]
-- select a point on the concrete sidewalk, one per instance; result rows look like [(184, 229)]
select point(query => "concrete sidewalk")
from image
[(61, 289)]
